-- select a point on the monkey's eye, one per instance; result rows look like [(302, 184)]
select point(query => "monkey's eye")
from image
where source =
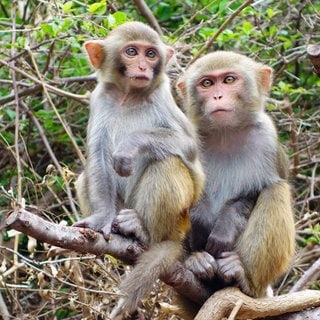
[(151, 53), (206, 83), (229, 79), (131, 51)]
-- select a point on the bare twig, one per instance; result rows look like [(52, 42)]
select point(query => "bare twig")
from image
[(77, 97), (308, 276), (63, 123), (147, 13), (219, 31), (17, 118)]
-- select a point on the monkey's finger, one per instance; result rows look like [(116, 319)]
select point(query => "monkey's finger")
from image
[(127, 212), (122, 165), (202, 264), (230, 267)]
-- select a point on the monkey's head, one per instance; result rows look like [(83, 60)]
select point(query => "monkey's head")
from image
[(225, 90), (131, 57)]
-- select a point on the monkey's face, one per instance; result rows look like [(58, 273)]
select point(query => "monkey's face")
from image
[(140, 62), (221, 94)]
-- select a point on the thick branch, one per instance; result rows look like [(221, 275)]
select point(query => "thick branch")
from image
[(72, 238), (222, 303), (87, 241), (313, 52)]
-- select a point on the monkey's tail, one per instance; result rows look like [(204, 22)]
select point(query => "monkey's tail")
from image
[(150, 266)]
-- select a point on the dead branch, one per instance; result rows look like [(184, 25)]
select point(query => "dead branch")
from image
[(222, 303), (307, 277), (52, 89), (72, 238), (313, 52), (228, 302), (87, 241)]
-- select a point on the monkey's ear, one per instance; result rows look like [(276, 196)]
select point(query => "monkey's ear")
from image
[(95, 50), (170, 53), (181, 88), (266, 78)]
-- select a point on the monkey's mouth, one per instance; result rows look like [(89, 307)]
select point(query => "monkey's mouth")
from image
[(221, 110), (140, 78)]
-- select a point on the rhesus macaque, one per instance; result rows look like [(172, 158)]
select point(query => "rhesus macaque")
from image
[(242, 228), (141, 152)]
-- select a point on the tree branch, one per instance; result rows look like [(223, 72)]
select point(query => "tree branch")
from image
[(147, 13), (313, 52), (222, 303), (219, 31), (72, 238), (228, 302)]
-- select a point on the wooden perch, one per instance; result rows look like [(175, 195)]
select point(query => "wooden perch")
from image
[(78, 239), (313, 52), (222, 303), (229, 302), (88, 241)]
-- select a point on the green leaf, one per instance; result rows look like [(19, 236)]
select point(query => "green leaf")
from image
[(47, 29), (247, 26), (120, 17), (164, 11), (111, 20), (98, 7), (10, 114), (223, 5), (270, 13), (67, 7)]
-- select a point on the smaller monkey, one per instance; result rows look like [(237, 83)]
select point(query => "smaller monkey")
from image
[(142, 153), (242, 228)]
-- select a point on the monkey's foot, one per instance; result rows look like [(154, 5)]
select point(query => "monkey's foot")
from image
[(128, 224)]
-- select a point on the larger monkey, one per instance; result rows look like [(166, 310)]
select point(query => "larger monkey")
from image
[(242, 228), (141, 149)]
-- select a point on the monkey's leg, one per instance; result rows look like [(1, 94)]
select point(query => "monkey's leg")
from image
[(82, 195), (162, 198), (267, 245)]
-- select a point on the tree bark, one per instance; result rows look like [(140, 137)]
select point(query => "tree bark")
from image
[(222, 303), (230, 302), (313, 52)]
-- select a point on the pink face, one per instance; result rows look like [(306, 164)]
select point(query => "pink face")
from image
[(219, 92), (140, 61)]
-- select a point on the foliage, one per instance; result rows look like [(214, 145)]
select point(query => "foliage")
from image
[(43, 40)]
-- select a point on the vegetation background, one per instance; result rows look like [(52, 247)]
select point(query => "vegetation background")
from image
[(45, 78)]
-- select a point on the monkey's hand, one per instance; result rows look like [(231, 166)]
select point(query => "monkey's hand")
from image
[(231, 270), (97, 222), (124, 158), (202, 264), (219, 241), (128, 224)]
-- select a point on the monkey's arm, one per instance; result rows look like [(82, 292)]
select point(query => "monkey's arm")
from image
[(267, 245), (229, 225), (96, 185), (156, 144)]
